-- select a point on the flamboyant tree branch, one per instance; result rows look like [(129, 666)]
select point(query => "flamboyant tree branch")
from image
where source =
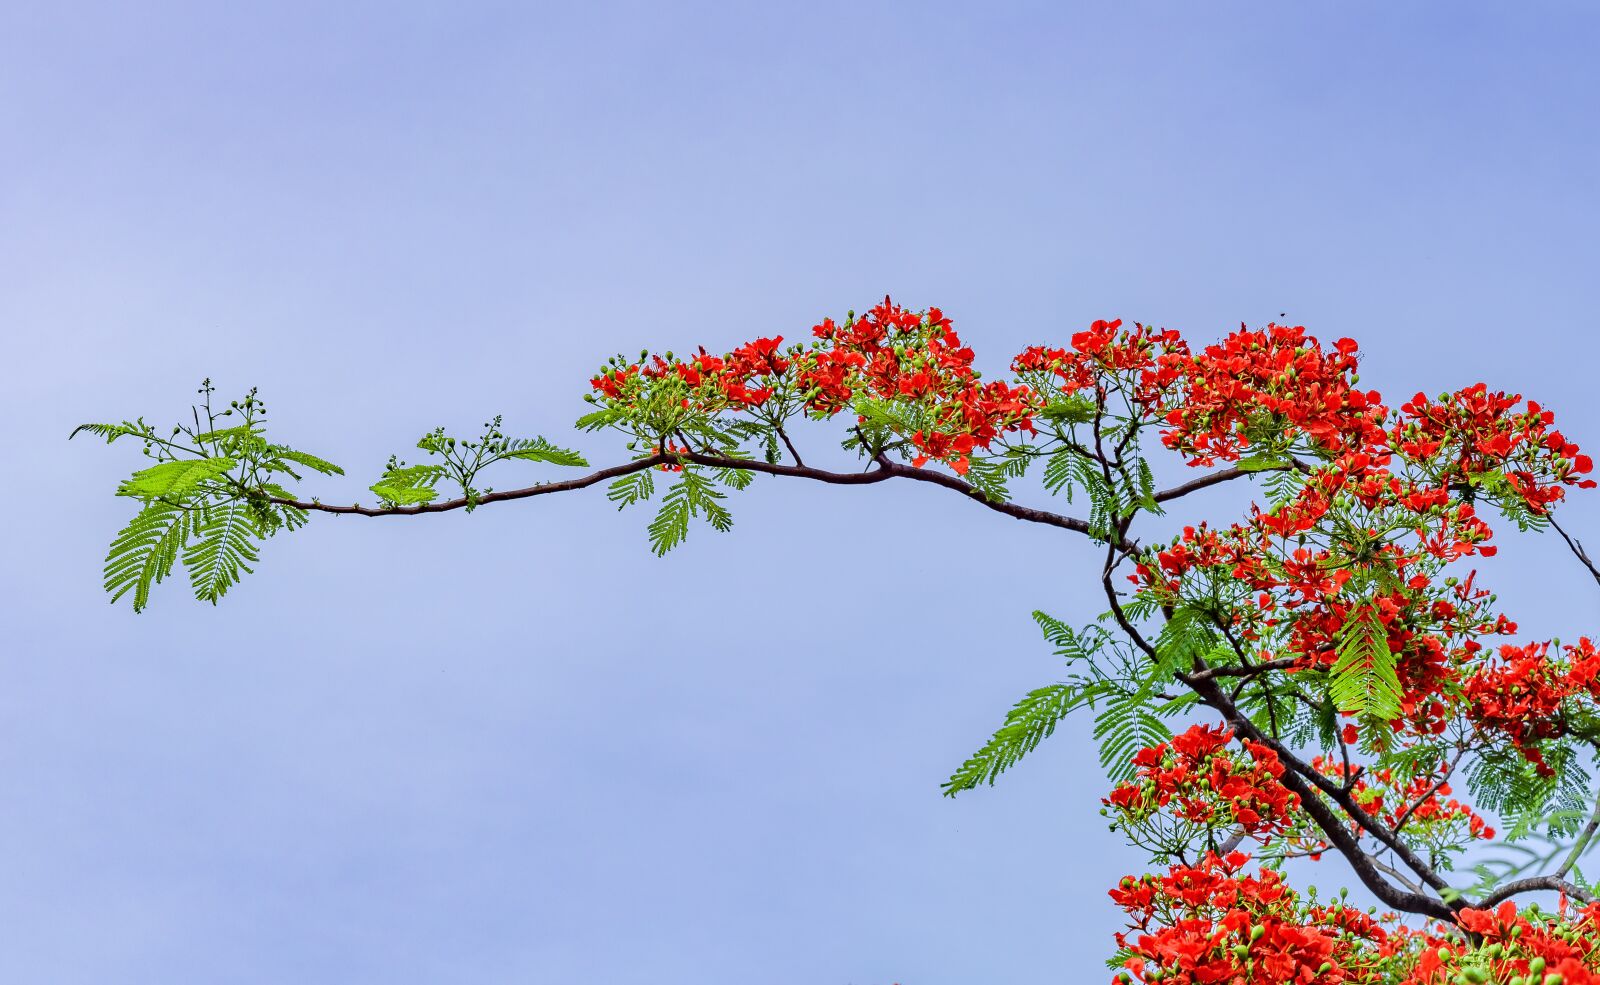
[(883, 470), (447, 505), (1427, 795), (1577, 550), (1335, 828), (1208, 480), (1253, 670), (1535, 884), (1300, 777)]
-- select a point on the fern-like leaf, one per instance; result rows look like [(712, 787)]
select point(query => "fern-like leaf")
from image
[(1034, 718), (671, 525), (1058, 471), (408, 485), (636, 487), (1126, 725), (223, 549), (692, 496), (309, 461), (111, 432), (172, 480), (1364, 680), (540, 450), (1029, 722), (144, 552)]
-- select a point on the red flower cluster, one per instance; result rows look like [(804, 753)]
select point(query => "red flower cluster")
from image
[(891, 353), (1527, 695), (1199, 782), (1146, 361), (742, 378), (1211, 923), (1424, 803), (1513, 946), (1473, 432), (1270, 386), (1308, 563)]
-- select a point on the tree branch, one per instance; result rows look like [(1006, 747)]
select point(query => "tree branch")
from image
[(1532, 884), (1581, 843), (1282, 663), (884, 470), (445, 506), (1304, 782), (1225, 475), (1577, 550), (1400, 821), (1195, 485)]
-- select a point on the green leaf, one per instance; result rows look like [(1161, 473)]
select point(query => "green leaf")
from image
[(897, 416), (1032, 719), (692, 496), (1504, 781), (221, 435), (172, 480), (1058, 471), (309, 461), (144, 552), (404, 495), (988, 479), (1189, 638), (223, 549), (636, 487), (1260, 463), (1069, 409), (540, 450), (1127, 725), (1029, 722), (1364, 680), (1146, 493), (603, 418), (111, 432), (408, 485), (671, 525)]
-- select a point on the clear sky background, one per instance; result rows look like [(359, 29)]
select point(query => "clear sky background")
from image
[(514, 746)]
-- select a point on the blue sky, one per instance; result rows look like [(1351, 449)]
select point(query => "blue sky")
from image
[(515, 747)]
